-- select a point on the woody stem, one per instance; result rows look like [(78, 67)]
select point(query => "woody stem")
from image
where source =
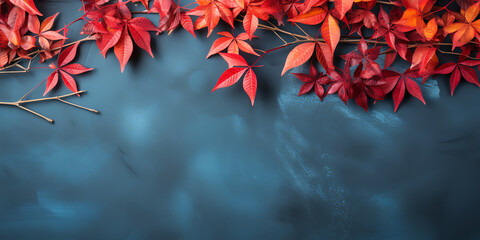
[(59, 98)]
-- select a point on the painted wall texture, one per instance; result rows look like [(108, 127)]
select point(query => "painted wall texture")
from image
[(167, 159)]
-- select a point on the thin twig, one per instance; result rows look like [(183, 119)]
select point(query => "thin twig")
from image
[(73, 104), (59, 98)]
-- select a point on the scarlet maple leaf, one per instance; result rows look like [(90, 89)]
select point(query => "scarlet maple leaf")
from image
[(45, 35), (237, 67), (463, 68), (313, 81), (65, 70), (232, 43), (466, 30)]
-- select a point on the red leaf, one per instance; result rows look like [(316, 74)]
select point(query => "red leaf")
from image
[(454, 80), (219, 45), (52, 35), (75, 69), (303, 77), (51, 82), (325, 56), (162, 6), (320, 91), (187, 23), (212, 17), (123, 49), (446, 68), (250, 84), (225, 13), (69, 81), (312, 3), (33, 24), (109, 40), (67, 55), (362, 100), (343, 6), (234, 60), (470, 75), (298, 56), (229, 77), (250, 24), (141, 38), (142, 24), (389, 59), (306, 87), (414, 89), (27, 5), (390, 79), (398, 93), (246, 47)]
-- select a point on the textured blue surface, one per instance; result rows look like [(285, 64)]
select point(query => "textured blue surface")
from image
[(167, 159)]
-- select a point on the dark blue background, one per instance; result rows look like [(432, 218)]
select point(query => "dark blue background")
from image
[(167, 159)]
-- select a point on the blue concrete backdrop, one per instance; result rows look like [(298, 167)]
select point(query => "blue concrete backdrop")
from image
[(167, 159)]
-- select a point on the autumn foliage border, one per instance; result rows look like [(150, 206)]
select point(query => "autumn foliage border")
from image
[(417, 32)]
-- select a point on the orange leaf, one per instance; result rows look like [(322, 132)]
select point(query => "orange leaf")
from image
[(409, 18), (422, 55), (431, 29), (48, 23), (298, 56), (313, 17), (463, 36), (331, 32), (472, 12)]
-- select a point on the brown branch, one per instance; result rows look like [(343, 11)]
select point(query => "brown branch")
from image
[(59, 98)]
